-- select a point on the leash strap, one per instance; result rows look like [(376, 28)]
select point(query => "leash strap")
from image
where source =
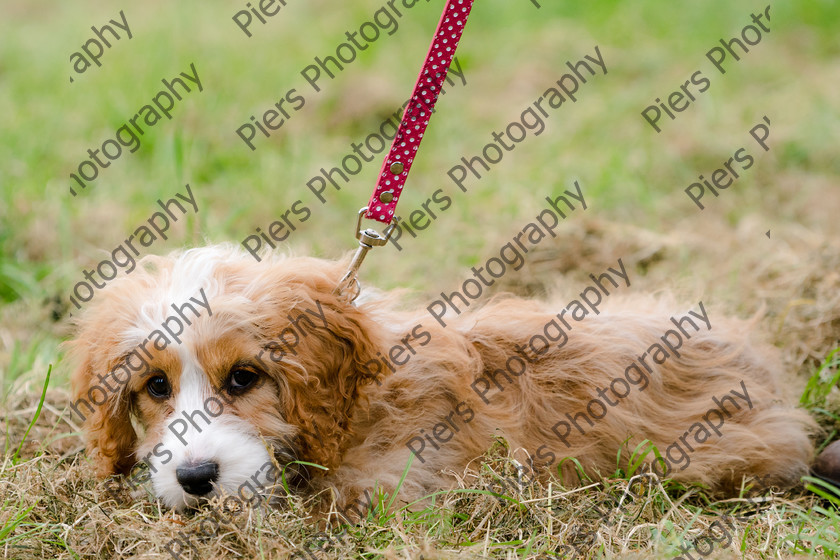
[(415, 119), (397, 164)]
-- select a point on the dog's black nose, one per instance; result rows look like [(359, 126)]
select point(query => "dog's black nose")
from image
[(197, 479)]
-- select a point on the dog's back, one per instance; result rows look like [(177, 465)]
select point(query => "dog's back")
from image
[(692, 383)]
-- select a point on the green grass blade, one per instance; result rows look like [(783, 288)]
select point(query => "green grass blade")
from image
[(402, 479), (37, 414)]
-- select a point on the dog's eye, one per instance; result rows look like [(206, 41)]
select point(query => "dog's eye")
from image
[(241, 379), (158, 387)]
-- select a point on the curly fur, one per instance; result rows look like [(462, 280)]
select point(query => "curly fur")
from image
[(322, 405)]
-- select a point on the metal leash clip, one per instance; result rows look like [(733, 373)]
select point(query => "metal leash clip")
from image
[(368, 239)]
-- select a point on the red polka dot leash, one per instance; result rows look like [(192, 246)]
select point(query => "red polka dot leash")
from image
[(397, 164)]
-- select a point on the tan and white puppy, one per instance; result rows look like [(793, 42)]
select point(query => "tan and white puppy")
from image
[(270, 366)]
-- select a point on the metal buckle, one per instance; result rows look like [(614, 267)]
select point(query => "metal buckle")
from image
[(368, 239)]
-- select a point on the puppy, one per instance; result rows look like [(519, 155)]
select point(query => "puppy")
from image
[(212, 367)]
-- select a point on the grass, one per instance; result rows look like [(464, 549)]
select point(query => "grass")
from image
[(632, 177)]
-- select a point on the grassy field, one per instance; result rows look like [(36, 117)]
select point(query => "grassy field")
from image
[(769, 242)]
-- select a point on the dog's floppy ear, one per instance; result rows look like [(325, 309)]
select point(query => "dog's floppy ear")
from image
[(325, 410), (328, 372), (353, 331), (109, 435)]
